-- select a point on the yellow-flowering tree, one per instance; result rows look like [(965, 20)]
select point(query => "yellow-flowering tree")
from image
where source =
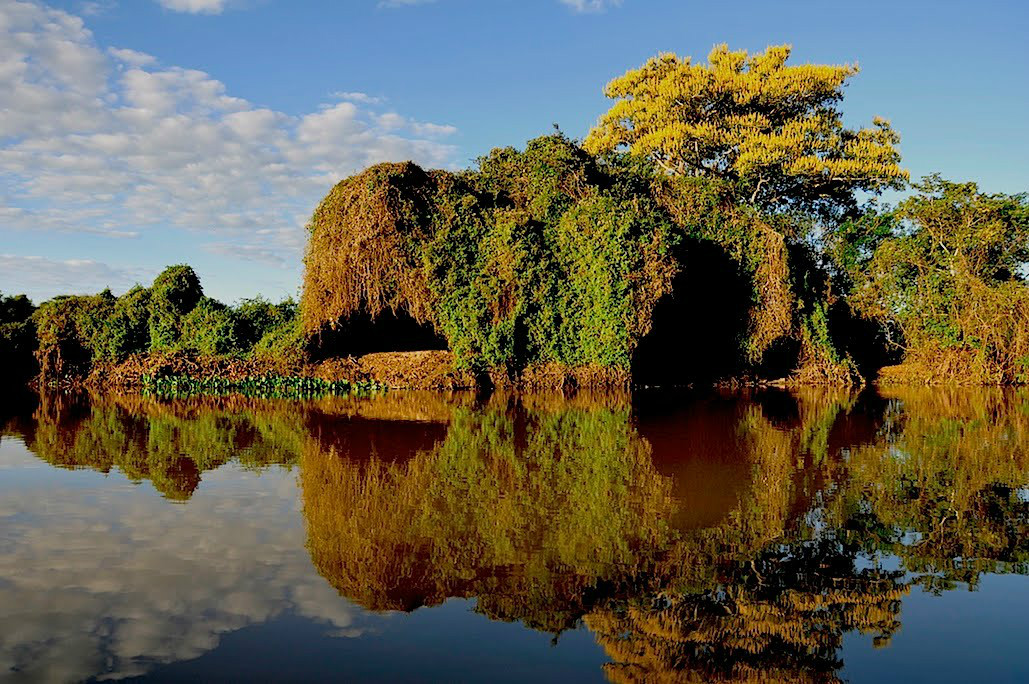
[(772, 130)]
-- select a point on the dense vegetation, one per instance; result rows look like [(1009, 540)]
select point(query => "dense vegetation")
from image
[(80, 334), (714, 226), (561, 253), (709, 227), (945, 272), (17, 337)]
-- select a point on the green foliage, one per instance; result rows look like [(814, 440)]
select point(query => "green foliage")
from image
[(542, 255), (76, 334), (950, 278), (257, 317), (175, 293), (15, 308), (17, 337), (210, 328), (128, 329), (286, 344), (72, 334)]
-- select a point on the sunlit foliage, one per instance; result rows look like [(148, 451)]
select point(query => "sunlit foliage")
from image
[(80, 334), (946, 270), (773, 130), (541, 255)]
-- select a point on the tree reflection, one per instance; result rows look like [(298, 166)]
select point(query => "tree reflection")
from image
[(718, 537), (556, 514), (172, 443)]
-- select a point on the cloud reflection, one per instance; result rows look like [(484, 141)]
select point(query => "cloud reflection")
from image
[(102, 578)]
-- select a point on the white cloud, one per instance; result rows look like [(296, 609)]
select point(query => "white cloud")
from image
[(585, 6), (268, 255), (91, 8), (131, 57), (194, 6), (122, 580), (109, 141), (36, 274), (363, 98)]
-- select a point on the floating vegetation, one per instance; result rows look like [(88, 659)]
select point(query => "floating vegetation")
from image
[(260, 386)]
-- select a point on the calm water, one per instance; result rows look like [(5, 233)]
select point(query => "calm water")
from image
[(807, 537)]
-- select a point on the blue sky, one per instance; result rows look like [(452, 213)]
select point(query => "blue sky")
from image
[(139, 133)]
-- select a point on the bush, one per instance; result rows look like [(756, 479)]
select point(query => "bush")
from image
[(17, 337), (72, 334), (285, 344), (175, 293), (257, 317), (210, 328), (542, 255), (950, 279), (128, 328), (77, 333)]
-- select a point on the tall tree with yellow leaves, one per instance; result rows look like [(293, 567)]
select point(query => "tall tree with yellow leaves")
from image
[(773, 131)]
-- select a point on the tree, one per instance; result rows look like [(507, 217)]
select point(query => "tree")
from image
[(17, 336), (175, 292), (773, 131), (951, 279)]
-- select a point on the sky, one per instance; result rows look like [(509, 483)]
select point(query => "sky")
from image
[(135, 134)]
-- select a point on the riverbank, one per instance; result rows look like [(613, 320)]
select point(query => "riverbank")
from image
[(436, 370)]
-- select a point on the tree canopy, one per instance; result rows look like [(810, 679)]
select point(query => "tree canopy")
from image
[(948, 273), (774, 130)]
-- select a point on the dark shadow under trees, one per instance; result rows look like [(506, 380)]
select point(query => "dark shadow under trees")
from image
[(698, 328)]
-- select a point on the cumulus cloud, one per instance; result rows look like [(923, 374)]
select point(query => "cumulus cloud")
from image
[(102, 578), (108, 140), (194, 6), (132, 57), (585, 6), (36, 274)]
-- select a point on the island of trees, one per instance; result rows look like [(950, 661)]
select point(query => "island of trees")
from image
[(718, 224)]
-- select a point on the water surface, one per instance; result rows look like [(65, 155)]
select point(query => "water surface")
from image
[(813, 536)]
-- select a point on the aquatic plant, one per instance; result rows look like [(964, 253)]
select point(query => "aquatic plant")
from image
[(264, 386)]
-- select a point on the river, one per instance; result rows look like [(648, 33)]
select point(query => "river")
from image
[(808, 536)]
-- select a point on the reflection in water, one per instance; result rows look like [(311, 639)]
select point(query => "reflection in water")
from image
[(699, 538)]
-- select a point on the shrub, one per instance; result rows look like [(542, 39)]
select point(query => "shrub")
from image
[(950, 278), (175, 293), (128, 328), (72, 334), (210, 328), (541, 255), (17, 337), (77, 333), (257, 317)]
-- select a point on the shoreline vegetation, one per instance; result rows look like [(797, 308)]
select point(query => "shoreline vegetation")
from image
[(719, 225)]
